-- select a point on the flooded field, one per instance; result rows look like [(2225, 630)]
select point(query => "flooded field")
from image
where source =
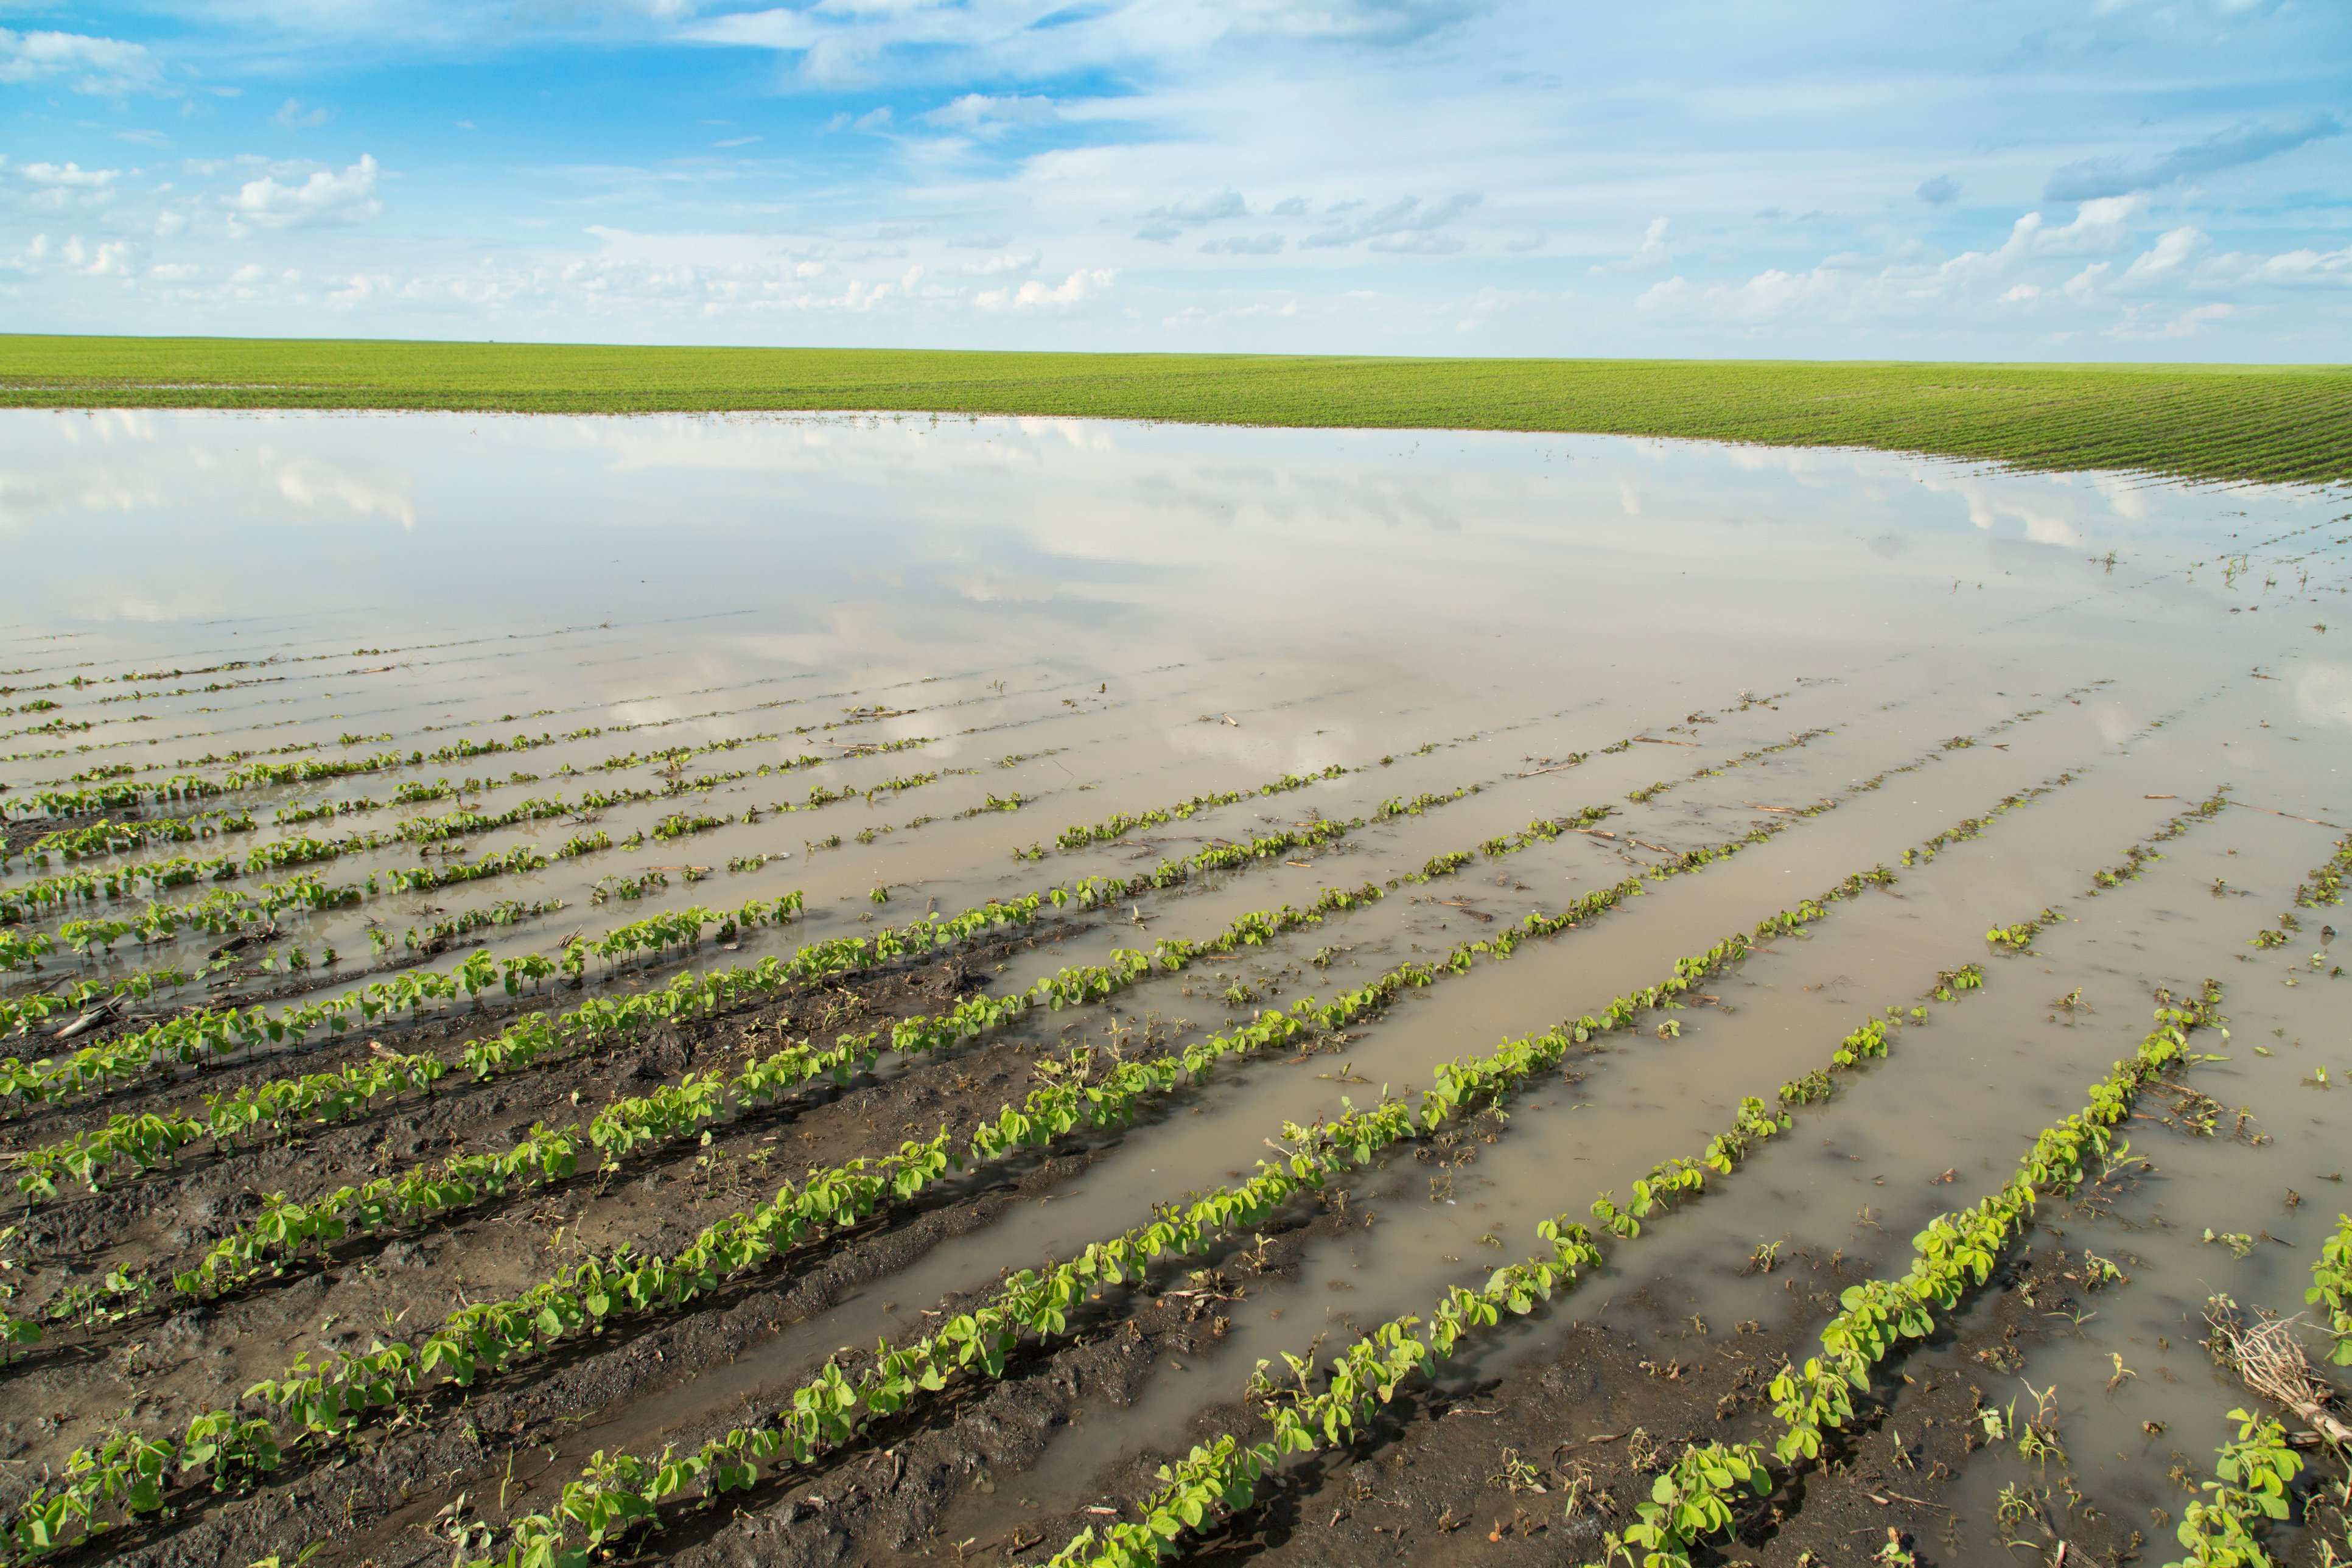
[(826, 990)]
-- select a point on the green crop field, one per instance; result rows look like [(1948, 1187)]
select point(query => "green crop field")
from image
[(2287, 423)]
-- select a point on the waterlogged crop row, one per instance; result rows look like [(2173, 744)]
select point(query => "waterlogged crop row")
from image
[(155, 1139), (152, 1139), (26, 901), (121, 794), (1692, 1501), (1121, 823), (108, 837), (1954, 1253), (32, 900), (684, 1110), (342, 1394), (618, 1492), (190, 1039), (125, 794), (549, 1154)]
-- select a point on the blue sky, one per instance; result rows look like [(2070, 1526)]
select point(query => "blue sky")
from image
[(1995, 179)]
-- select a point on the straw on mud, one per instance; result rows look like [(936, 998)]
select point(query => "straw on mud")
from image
[(2270, 1358)]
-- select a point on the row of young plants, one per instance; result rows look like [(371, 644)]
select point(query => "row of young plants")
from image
[(325, 1400), (1801, 738), (25, 899), (692, 1108), (1692, 1501), (280, 1107), (155, 1139), (192, 1036), (1073, 1102), (107, 836), (1695, 1499), (686, 1109), (1959, 1250), (1121, 823), (618, 1492), (126, 795), (37, 897), (133, 1055), (1224, 1474)]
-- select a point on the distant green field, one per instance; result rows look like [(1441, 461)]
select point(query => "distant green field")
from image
[(2289, 424)]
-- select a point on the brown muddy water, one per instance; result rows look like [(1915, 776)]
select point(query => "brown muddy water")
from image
[(899, 665)]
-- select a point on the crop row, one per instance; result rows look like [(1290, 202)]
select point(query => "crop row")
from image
[(150, 1140), (1801, 738), (284, 1229), (843, 1196), (1121, 823), (618, 1492), (23, 901), (125, 794), (121, 1059), (106, 836), (1692, 1501)]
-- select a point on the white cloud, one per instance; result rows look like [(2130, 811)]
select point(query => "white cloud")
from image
[(324, 197), (1653, 255), (292, 116), (106, 68), (70, 174), (980, 114), (2167, 257), (1080, 285)]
